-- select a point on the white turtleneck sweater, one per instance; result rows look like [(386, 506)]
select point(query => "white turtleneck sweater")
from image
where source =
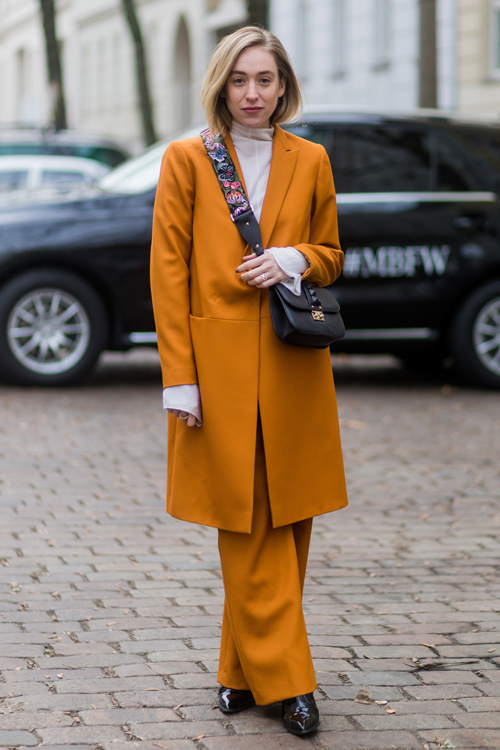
[(254, 148)]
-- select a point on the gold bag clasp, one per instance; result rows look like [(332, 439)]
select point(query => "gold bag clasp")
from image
[(318, 315)]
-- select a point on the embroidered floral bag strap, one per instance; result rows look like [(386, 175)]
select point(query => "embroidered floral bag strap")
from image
[(232, 187), (311, 319)]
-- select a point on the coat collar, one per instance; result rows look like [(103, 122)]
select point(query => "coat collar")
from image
[(281, 173), (280, 176)]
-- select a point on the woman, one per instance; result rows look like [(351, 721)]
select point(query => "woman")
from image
[(253, 436)]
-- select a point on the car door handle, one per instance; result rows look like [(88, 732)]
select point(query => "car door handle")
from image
[(465, 222)]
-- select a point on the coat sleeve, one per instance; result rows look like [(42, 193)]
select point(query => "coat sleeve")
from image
[(323, 250), (170, 275)]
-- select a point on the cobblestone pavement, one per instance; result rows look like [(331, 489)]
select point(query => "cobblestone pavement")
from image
[(110, 610)]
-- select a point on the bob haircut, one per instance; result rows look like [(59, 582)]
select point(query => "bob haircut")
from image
[(222, 63)]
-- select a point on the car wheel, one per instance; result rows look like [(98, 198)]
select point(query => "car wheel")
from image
[(475, 337), (53, 326)]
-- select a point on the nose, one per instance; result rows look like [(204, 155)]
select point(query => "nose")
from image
[(252, 92)]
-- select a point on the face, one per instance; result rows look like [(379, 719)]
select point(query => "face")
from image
[(253, 88)]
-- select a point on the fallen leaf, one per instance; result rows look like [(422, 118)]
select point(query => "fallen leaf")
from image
[(363, 696), (158, 744), (200, 737), (60, 675), (381, 703), (429, 645), (108, 624), (490, 650), (176, 707), (390, 711)]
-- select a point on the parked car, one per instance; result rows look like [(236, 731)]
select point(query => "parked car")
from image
[(26, 175), (419, 222), (18, 141)]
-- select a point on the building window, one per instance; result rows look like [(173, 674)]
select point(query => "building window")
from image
[(495, 38), (382, 33), (86, 78), (339, 38), (117, 76)]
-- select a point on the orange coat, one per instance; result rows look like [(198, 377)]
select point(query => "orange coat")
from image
[(215, 330)]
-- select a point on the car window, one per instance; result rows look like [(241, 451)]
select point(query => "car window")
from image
[(109, 156), (19, 149), (105, 155), (382, 159), (58, 177), (483, 148), (13, 180), (453, 173), (313, 132)]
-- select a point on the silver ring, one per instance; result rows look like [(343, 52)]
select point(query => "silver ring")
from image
[(263, 276)]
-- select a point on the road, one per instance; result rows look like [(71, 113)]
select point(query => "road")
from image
[(110, 610)]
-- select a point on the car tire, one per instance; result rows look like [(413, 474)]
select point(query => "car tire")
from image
[(53, 326), (475, 337)]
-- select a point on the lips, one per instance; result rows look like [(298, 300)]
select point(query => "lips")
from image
[(252, 110)]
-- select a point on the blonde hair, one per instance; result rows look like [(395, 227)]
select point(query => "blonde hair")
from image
[(222, 63)]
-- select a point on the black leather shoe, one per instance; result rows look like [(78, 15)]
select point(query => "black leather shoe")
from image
[(231, 701), (300, 714)]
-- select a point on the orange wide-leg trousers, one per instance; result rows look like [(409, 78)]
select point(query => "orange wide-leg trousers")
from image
[(264, 645)]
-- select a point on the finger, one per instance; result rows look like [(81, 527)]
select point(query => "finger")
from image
[(191, 420), (253, 262)]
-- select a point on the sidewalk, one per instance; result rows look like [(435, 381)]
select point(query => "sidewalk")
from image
[(110, 611)]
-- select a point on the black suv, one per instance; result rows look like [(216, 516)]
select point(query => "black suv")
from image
[(419, 217)]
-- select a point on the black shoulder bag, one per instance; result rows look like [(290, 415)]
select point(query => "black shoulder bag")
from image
[(310, 319)]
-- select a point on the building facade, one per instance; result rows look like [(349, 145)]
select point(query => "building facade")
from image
[(98, 62), (365, 53), (347, 53), (478, 53)]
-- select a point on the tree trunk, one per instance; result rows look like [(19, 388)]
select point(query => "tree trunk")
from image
[(54, 68), (428, 55), (258, 12), (141, 72)]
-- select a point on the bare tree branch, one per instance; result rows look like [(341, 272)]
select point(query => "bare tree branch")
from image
[(258, 12), (141, 71), (54, 68)]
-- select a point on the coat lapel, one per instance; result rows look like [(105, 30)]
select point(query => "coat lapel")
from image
[(282, 169)]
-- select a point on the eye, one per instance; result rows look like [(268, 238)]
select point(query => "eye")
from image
[(265, 81), (238, 81)]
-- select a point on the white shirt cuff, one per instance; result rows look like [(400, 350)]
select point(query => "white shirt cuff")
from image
[(185, 398), (293, 263)]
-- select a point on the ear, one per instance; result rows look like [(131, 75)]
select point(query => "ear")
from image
[(282, 86)]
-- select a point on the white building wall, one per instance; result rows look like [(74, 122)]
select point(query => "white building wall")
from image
[(354, 66), (344, 67), (447, 29)]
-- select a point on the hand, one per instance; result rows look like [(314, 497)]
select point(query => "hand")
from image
[(261, 271), (184, 416)]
